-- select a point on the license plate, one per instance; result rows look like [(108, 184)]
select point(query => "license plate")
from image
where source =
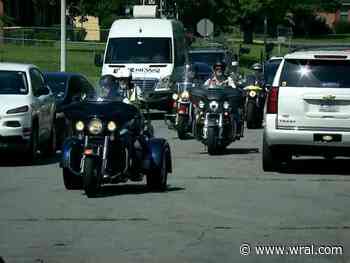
[(328, 108)]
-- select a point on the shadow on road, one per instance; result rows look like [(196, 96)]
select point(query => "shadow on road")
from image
[(235, 151), (119, 190), (317, 166), (18, 161)]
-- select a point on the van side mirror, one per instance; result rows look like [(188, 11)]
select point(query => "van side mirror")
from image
[(98, 60)]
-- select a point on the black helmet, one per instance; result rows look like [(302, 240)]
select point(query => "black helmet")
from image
[(219, 64)]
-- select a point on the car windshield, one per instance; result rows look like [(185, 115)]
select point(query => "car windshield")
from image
[(209, 58), (57, 83), (139, 50), (13, 83), (270, 70), (316, 73)]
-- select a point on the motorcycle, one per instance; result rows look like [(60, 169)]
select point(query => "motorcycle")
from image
[(108, 146), (182, 118), (218, 116), (255, 102)]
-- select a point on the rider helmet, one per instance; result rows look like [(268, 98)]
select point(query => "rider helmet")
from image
[(257, 67), (124, 76)]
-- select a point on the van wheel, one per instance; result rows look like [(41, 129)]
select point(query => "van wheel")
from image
[(270, 160)]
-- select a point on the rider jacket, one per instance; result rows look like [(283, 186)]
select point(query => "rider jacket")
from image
[(215, 81)]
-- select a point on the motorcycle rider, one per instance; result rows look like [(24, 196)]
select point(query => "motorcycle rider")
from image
[(258, 74), (132, 94), (219, 78)]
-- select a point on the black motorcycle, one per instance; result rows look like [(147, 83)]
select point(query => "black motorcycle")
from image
[(109, 146), (218, 116)]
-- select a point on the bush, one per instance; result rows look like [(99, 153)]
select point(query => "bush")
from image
[(342, 27)]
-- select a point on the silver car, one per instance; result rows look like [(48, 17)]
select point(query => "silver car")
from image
[(308, 108), (27, 111)]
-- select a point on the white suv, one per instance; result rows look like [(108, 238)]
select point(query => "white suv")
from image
[(308, 108), (27, 111)]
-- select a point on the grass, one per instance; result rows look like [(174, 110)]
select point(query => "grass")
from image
[(47, 57)]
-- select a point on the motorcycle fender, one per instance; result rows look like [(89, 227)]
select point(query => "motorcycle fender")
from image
[(72, 150), (156, 148), (213, 123)]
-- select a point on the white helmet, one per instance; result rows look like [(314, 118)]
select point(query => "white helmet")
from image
[(124, 73)]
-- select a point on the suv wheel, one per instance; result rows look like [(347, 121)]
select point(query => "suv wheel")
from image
[(33, 146), (270, 160), (50, 148)]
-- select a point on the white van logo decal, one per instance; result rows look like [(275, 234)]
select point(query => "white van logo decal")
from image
[(145, 70), (141, 70)]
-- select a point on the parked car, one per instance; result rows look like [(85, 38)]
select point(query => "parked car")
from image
[(67, 88), (308, 108), (27, 111)]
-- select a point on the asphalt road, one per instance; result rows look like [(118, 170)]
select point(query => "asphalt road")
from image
[(213, 205)]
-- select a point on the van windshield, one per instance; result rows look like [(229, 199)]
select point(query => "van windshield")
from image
[(139, 50), (316, 73)]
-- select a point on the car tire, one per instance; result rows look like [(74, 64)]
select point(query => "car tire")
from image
[(71, 181), (270, 160), (51, 147), (32, 153), (157, 180)]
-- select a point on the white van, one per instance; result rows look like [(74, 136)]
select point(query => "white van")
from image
[(151, 48)]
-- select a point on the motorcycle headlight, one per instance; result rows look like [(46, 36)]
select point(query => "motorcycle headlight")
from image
[(226, 105), (185, 95), (111, 126), (79, 126), (252, 93), (95, 126), (175, 96), (201, 104), (214, 105)]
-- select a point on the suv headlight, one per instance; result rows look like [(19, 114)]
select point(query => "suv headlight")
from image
[(18, 110), (95, 126)]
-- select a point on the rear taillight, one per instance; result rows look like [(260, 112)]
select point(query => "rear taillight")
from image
[(272, 101)]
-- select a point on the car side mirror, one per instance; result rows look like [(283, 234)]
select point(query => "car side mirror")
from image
[(44, 90), (98, 60)]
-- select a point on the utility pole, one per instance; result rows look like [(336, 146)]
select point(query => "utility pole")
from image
[(63, 36)]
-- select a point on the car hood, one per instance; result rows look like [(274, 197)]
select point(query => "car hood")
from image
[(8, 102)]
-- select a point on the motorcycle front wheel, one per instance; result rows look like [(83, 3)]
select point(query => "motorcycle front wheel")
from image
[(182, 127), (91, 176), (212, 140), (251, 116)]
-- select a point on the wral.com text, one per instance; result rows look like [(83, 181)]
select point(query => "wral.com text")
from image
[(291, 250)]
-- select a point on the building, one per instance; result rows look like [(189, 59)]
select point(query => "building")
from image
[(91, 25)]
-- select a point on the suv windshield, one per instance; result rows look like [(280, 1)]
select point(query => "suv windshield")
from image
[(139, 50), (13, 83), (209, 58), (316, 73)]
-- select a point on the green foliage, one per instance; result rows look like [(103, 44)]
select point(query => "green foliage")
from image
[(342, 27)]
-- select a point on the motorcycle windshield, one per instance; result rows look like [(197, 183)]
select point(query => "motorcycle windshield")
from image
[(184, 86), (111, 92), (216, 92)]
